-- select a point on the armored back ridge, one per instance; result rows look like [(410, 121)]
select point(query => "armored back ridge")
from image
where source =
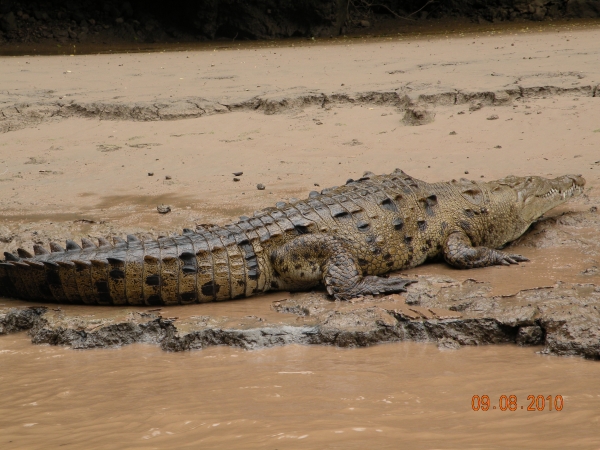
[(343, 237)]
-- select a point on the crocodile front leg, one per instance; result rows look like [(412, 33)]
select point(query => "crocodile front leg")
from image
[(459, 252), (312, 259)]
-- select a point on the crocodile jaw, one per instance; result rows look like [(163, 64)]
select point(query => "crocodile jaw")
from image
[(534, 196)]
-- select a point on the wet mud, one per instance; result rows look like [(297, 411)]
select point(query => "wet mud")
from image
[(552, 301), (81, 136), (563, 318)]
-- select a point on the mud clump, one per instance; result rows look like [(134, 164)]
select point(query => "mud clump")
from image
[(418, 116), (163, 209)]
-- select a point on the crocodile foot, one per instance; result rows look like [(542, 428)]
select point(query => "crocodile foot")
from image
[(460, 253), (311, 259), (371, 285)]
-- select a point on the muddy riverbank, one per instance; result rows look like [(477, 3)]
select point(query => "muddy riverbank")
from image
[(91, 145), (552, 302)]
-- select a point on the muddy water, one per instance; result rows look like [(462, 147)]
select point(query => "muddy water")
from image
[(387, 396), (545, 267)]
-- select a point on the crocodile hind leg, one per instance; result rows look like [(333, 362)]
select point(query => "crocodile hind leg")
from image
[(312, 259), (459, 252)]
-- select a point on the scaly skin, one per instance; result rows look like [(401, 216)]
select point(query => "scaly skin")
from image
[(344, 237)]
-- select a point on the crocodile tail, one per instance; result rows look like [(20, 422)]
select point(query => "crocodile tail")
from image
[(209, 264)]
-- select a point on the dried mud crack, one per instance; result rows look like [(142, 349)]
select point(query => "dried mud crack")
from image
[(18, 115)]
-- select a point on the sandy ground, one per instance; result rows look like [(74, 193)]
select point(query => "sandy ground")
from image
[(301, 116), (93, 144)]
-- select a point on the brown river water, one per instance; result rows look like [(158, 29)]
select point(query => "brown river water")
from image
[(402, 395)]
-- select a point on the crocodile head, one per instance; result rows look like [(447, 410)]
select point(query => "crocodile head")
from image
[(534, 196)]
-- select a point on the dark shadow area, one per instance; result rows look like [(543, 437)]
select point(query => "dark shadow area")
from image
[(100, 21), (68, 22)]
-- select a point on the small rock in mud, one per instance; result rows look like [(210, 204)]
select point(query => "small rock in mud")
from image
[(237, 174), (452, 133), (590, 271), (236, 179), (532, 335), (167, 177), (493, 117), (163, 209), (475, 107), (5, 235), (416, 117), (448, 344), (413, 299), (150, 174), (260, 187)]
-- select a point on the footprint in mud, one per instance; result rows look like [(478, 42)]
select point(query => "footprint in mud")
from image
[(107, 147), (144, 145), (34, 160), (353, 142)]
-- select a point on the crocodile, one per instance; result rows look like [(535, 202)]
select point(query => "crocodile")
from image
[(345, 238)]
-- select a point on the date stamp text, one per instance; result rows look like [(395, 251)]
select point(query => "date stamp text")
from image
[(511, 403)]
